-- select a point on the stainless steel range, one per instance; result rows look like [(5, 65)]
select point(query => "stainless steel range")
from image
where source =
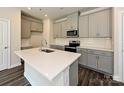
[(72, 47)]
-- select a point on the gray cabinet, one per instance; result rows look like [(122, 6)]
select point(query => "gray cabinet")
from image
[(83, 26), (63, 28), (72, 21), (60, 29), (105, 63), (59, 47), (96, 59), (25, 28), (96, 25), (92, 61), (37, 27), (99, 24), (84, 56), (57, 30)]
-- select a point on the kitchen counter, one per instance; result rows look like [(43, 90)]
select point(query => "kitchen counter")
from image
[(48, 64), (89, 47), (96, 48), (59, 44)]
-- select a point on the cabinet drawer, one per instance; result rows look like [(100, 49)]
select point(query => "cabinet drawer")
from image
[(98, 52), (81, 50), (57, 47)]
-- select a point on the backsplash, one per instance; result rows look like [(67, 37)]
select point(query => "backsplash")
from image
[(93, 42)]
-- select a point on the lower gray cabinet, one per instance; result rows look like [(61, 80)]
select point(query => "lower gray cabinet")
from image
[(96, 59), (105, 63), (92, 61), (59, 47), (84, 56)]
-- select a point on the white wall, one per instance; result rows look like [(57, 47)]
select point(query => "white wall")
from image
[(14, 15)]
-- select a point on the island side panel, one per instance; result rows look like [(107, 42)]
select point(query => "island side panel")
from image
[(73, 74), (37, 79)]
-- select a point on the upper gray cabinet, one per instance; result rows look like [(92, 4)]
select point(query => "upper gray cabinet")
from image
[(60, 29), (100, 24), (83, 26), (25, 28), (72, 21), (95, 25), (63, 28), (57, 30), (29, 24), (36, 26)]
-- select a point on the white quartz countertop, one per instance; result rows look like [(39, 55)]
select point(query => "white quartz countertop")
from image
[(96, 48), (90, 47), (48, 64)]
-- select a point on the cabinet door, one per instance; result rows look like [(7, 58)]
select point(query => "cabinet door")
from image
[(99, 24), (105, 63), (92, 61), (93, 25), (57, 30), (84, 56), (72, 21), (33, 26), (39, 27), (36, 26), (104, 28), (83, 26), (25, 28), (63, 28), (69, 22)]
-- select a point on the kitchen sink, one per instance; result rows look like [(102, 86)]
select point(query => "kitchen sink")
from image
[(46, 50)]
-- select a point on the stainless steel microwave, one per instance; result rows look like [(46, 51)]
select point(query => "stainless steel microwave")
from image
[(72, 33)]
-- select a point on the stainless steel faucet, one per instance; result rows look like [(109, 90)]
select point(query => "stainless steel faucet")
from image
[(43, 43)]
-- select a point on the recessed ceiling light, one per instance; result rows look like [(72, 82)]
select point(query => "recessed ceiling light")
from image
[(45, 15), (29, 8)]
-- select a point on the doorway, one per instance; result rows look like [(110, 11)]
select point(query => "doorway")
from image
[(4, 43)]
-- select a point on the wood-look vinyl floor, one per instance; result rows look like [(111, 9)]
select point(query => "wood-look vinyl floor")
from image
[(89, 77), (15, 77)]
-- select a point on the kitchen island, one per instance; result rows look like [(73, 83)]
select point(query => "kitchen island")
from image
[(53, 68)]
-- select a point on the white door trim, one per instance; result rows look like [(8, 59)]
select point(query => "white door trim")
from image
[(8, 21), (122, 30), (119, 47)]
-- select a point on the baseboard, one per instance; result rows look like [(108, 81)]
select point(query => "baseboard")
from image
[(116, 78), (15, 65)]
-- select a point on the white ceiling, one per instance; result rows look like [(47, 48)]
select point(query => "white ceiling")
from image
[(52, 12)]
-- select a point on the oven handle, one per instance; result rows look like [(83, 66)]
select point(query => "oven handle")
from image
[(71, 47)]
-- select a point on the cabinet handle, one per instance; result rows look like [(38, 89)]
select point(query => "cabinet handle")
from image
[(5, 47), (97, 60), (98, 57)]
